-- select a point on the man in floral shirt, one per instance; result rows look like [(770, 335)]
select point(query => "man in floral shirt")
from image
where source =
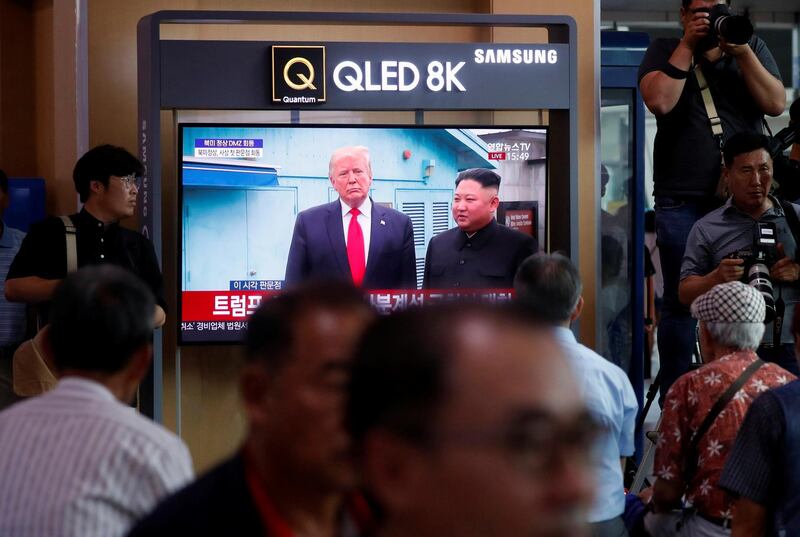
[(731, 319)]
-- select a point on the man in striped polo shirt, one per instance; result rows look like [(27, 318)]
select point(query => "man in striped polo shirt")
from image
[(77, 461)]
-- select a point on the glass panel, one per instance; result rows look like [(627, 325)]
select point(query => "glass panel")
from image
[(614, 312)]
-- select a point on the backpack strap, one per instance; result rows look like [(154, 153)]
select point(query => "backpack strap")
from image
[(72, 246)]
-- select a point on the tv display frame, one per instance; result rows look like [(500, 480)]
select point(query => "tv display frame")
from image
[(227, 172)]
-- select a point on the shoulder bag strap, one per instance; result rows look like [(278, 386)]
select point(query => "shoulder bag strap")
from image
[(72, 247), (724, 399)]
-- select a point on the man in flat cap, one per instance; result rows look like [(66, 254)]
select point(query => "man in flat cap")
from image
[(704, 408)]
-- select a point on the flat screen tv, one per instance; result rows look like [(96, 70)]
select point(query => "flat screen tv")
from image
[(242, 186)]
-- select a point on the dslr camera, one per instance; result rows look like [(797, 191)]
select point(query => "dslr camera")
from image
[(757, 262), (735, 29)]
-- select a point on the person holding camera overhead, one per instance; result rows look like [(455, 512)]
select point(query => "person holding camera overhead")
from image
[(750, 238), (718, 51)]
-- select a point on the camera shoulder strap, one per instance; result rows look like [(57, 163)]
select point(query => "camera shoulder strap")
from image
[(708, 102)]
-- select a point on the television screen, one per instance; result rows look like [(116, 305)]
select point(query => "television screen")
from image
[(243, 185)]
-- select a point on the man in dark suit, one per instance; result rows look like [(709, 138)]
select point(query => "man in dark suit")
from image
[(294, 471), (479, 253), (352, 239)]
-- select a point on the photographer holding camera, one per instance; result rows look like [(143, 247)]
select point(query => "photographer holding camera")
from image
[(749, 238), (743, 83)]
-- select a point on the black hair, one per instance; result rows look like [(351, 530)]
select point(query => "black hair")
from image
[(487, 178), (100, 163), (3, 182), (743, 142), (686, 3), (99, 317), (548, 287), (271, 330)]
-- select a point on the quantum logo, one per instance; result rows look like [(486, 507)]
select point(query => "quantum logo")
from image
[(298, 74)]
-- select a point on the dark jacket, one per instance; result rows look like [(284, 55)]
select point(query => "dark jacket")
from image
[(318, 250), (488, 260), (218, 503)]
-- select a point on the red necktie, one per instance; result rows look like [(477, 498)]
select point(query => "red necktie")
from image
[(355, 248)]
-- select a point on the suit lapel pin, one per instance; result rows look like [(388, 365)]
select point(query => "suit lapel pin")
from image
[(383, 223)]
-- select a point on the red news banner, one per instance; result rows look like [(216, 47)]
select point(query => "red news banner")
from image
[(237, 306)]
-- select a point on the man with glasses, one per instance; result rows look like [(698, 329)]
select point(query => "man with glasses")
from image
[(548, 287), (107, 180), (466, 422)]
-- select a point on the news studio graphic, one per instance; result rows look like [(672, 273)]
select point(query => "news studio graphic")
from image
[(298, 74), (242, 186)]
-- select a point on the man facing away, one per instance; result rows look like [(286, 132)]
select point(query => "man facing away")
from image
[(107, 180), (548, 287), (466, 424), (291, 476), (353, 239), (731, 317), (78, 461)]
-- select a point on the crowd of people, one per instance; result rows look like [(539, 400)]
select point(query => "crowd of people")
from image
[(460, 419), (727, 249)]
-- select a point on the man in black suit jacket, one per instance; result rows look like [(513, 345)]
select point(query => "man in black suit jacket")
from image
[(479, 253), (325, 237), (295, 468)]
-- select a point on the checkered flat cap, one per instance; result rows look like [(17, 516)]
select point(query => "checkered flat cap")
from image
[(732, 302)]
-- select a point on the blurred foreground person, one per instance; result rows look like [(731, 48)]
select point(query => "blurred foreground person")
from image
[(291, 476), (548, 287), (78, 461), (466, 424)]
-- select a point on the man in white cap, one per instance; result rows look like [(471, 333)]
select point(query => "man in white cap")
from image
[(704, 408)]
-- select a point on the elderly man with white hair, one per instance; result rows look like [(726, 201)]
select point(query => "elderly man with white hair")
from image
[(704, 409)]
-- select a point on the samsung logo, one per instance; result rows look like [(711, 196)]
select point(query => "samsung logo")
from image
[(516, 55)]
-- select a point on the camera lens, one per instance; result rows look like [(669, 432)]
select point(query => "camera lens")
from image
[(735, 29), (758, 279)]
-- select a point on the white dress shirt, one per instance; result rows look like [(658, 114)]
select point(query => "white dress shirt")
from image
[(364, 219), (77, 462)]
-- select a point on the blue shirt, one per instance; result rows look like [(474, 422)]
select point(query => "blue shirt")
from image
[(610, 398), (12, 315)]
